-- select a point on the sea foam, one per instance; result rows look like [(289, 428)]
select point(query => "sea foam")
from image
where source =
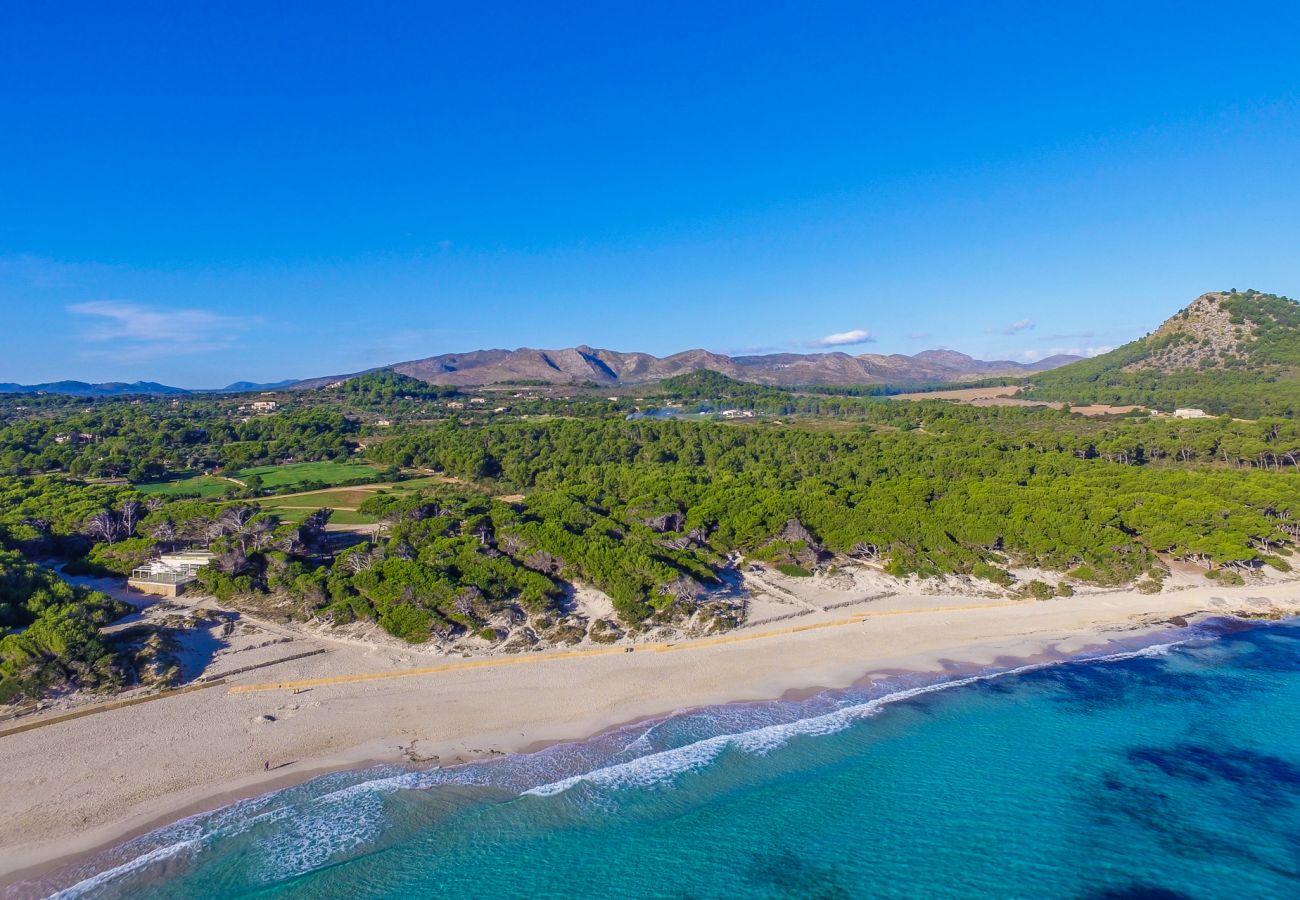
[(300, 829)]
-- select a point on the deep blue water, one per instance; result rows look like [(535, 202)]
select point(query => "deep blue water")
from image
[(1167, 774)]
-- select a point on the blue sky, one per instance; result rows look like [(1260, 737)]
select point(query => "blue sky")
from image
[(197, 193)]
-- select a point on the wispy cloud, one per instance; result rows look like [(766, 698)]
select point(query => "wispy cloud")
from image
[(754, 349), (844, 339), (123, 330), (1022, 325)]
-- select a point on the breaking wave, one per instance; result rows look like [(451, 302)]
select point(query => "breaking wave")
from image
[(303, 828)]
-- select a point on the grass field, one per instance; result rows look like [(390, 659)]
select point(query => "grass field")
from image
[(300, 473), (344, 500), (205, 486), (294, 507), (273, 477)]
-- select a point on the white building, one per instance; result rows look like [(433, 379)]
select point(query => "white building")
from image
[(169, 573)]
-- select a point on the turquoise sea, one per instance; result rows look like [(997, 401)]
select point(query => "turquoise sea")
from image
[(1168, 771)]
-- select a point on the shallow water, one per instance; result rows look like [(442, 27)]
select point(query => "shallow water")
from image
[(1164, 772)]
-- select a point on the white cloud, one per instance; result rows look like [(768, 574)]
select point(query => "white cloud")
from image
[(131, 331), (1022, 325), (844, 339)]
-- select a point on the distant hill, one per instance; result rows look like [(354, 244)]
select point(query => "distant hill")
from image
[(136, 388), (82, 389), (241, 387), (1228, 352), (582, 364)]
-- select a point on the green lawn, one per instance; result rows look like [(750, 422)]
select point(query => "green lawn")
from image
[(273, 477), (330, 473), (205, 486), (296, 507), (343, 500)]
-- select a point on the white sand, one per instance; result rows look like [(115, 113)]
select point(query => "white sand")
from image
[(73, 786)]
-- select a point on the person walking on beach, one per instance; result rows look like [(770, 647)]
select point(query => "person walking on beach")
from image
[(266, 766)]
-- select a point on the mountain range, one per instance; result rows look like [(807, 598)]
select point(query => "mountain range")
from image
[(124, 389), (577, 365), (582, 364), (1234, 352)]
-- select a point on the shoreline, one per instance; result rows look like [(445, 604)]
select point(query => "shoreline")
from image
[(813, 662), (957, 672)]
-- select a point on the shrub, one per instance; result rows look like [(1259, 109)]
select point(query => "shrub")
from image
[(1040, 590), (603, 631), (992, 573), (793, 570), (407, 622), (1278, 563), (1084, 573)]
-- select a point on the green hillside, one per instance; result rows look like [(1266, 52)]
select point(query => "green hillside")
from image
[(1230, 352)]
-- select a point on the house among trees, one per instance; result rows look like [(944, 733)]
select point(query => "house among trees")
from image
[(170, 573), (1191, 414)]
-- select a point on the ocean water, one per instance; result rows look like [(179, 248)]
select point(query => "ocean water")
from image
[(1167, 771)]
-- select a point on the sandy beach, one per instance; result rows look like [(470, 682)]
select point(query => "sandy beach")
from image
[(127, 770)]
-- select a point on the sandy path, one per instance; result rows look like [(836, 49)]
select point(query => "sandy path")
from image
[(131, 768)]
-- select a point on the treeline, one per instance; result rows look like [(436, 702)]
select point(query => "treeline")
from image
[(1229, 391), (925, 502), (892, 390), (145, 441), (1264, 444)]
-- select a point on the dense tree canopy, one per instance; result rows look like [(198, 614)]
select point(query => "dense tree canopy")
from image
[(549, 490)]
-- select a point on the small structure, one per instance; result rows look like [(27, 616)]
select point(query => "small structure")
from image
[(1191, 414), (170, 573)]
